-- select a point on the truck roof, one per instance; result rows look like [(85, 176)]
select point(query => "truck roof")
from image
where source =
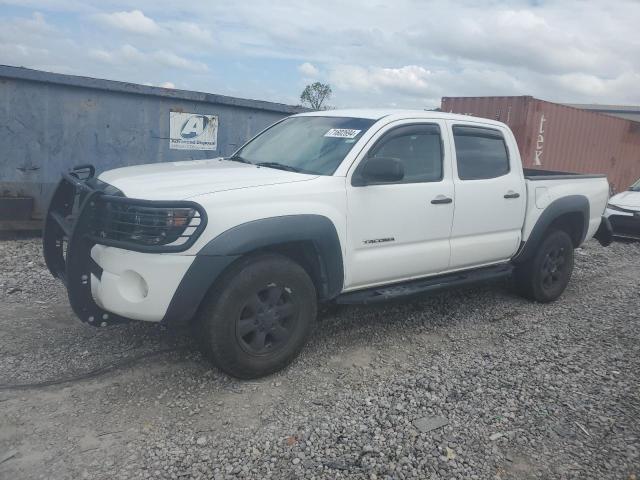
[(378, 113)]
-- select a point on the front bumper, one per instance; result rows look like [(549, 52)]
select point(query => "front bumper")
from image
[(625, 223), (135, 285), (109, 281)]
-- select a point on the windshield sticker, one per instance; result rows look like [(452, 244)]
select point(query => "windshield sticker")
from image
[(342, 133)]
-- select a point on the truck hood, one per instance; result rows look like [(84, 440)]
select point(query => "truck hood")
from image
[(182, 180), (628, 199)]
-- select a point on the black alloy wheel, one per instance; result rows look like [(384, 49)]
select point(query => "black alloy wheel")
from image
[(545, 276), (553, 268), (267, 320), (258, 315)]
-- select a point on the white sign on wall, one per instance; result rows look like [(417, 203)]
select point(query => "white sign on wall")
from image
[(193, 131)]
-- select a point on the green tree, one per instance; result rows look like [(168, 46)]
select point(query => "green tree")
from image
[(315, 95)]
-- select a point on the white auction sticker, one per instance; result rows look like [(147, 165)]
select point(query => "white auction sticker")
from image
[(193, 131), (342, 133)]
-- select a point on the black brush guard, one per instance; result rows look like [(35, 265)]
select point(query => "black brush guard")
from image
[(70, 232)]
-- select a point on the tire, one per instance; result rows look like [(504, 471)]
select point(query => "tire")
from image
[(545, 276), (258, 316)]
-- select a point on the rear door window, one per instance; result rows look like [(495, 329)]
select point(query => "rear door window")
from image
[(481, 153)]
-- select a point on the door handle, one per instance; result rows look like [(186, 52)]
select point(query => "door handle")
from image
[(511, 194), (440, 199)]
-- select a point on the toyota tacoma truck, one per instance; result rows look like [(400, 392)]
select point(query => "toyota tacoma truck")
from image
[(339, 207)]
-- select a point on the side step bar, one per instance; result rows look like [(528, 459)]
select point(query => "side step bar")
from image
[(424, 285)]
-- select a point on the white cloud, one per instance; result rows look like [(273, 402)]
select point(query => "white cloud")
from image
[(127, 54), (133, 21), (168, 85), (37, 23), (172, 33), (19, 50), (308, 70), (515, 38), (131, 56), (410, 80), (172, 60), (33, 27), (181, 31), (594, 89), (101, 55)]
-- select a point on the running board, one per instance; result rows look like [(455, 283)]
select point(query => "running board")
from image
[(424, 285)]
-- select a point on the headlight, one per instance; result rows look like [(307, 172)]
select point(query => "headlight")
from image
[(148, 225), (153, 226)]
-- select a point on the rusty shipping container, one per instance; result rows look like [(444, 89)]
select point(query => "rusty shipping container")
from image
[(551, 136)]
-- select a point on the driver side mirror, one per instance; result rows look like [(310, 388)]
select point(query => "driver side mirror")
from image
[(379, 170)]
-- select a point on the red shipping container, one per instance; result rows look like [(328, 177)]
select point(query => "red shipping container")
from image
[(551, 136)]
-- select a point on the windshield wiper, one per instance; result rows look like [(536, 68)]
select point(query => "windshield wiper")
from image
[(281, 166), (238, 158)]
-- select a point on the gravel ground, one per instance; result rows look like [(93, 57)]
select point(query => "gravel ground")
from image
[(469, 384)]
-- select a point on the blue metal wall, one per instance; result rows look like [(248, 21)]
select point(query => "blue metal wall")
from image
[(51, 122)]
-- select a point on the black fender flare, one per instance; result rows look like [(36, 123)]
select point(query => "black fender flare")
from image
[(561, 206), (248, 237)]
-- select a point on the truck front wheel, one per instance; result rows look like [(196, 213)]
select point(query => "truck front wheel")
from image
[(258, 316), (545, 276)]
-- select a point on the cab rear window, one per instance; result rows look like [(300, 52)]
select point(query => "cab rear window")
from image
[(481, 153)]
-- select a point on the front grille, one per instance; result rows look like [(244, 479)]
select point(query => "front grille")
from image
[(146, 225)]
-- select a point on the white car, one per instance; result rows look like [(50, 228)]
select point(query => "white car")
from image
[(352, 206), (623, 211)]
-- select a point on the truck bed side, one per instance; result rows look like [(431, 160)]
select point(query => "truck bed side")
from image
[(550, 194)]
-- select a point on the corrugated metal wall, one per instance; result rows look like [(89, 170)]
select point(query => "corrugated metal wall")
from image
[(51, 122), (558, 137)]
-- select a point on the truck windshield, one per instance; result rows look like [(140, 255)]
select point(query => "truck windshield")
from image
[(315, 145), (636, 186)]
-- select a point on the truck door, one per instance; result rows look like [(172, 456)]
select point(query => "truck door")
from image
[(400, 230), (490, 196)]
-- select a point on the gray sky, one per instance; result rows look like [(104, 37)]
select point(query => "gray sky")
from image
[(405, 53)]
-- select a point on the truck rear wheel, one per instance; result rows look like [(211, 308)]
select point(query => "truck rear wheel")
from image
[(258, 316), (545, 276)]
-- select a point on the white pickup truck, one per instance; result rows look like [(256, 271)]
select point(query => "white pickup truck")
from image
[(352, 206)]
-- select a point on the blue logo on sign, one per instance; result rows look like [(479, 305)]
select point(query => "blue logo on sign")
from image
[(194, 126)]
